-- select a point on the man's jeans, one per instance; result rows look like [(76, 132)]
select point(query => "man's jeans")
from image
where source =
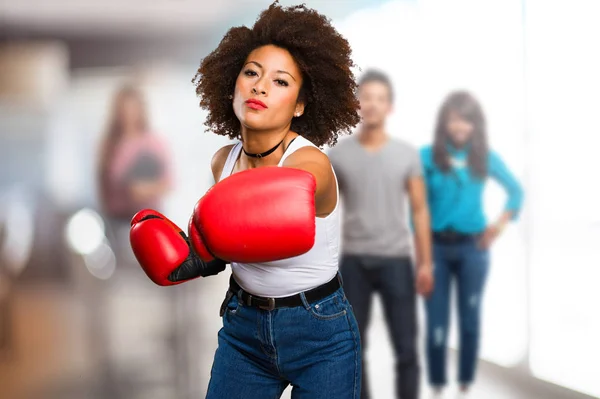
[(394, 279)]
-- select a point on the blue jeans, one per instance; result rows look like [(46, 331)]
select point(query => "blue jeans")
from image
[(314, 347), (467, 265), (393, 279)]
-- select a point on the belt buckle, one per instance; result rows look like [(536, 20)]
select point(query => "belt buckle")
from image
[(271, 304)]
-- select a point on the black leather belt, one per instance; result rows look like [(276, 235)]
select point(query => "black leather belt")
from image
[(451, 237), (260, 302)]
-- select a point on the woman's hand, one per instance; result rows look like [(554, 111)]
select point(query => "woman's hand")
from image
[(489, 236), (493, 231)]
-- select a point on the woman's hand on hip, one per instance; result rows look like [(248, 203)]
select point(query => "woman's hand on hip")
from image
[(488, 237)]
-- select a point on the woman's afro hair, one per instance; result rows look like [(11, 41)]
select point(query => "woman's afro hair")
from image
[(323, 57)]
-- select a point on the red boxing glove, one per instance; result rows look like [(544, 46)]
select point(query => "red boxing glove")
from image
[(197, 243), (163, 250), (258, 215)]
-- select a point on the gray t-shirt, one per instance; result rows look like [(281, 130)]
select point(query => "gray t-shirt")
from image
[(374, 198)]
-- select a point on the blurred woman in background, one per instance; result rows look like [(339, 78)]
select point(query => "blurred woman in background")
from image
[(456, 168), (134, 168)]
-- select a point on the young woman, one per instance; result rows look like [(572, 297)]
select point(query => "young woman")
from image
[(134, 165), (283, 89), (133, 171), (457, 167)]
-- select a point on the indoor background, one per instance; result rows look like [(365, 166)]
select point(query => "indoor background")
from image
[(79, 319)]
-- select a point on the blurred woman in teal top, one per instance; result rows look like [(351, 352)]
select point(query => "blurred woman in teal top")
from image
[(457, 167)]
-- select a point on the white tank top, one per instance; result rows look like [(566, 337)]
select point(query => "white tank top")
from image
[(293, 275)]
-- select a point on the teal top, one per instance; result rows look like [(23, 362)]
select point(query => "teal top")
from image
[(456, 197)]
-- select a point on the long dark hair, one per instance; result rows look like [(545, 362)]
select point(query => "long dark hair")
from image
[(467, 107), (114, 134)]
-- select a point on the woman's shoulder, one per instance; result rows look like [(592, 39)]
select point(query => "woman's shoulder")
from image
[(219, 158), (426, 153), (495, 162), (302, 150), (307, 153), (224, 151)]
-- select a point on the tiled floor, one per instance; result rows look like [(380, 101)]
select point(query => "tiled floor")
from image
[(64, 334)]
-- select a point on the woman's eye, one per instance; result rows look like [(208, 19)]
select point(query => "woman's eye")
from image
[(281, 82), (250, 72)]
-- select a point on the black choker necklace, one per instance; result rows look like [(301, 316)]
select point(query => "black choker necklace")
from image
[(262, 154)]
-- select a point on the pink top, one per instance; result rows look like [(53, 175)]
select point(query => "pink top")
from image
[(143, 158)]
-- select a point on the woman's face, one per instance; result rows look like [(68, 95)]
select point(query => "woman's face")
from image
[(459, 129), (267, 88)]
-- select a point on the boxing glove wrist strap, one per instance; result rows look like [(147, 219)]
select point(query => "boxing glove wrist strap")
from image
[(194, 267)]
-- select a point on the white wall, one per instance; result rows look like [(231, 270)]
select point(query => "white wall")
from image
[(563, 88)]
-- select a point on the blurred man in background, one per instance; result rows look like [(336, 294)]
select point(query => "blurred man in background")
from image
[(376, 175)]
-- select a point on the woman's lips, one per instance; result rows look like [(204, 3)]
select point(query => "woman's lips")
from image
[(256, 104)]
